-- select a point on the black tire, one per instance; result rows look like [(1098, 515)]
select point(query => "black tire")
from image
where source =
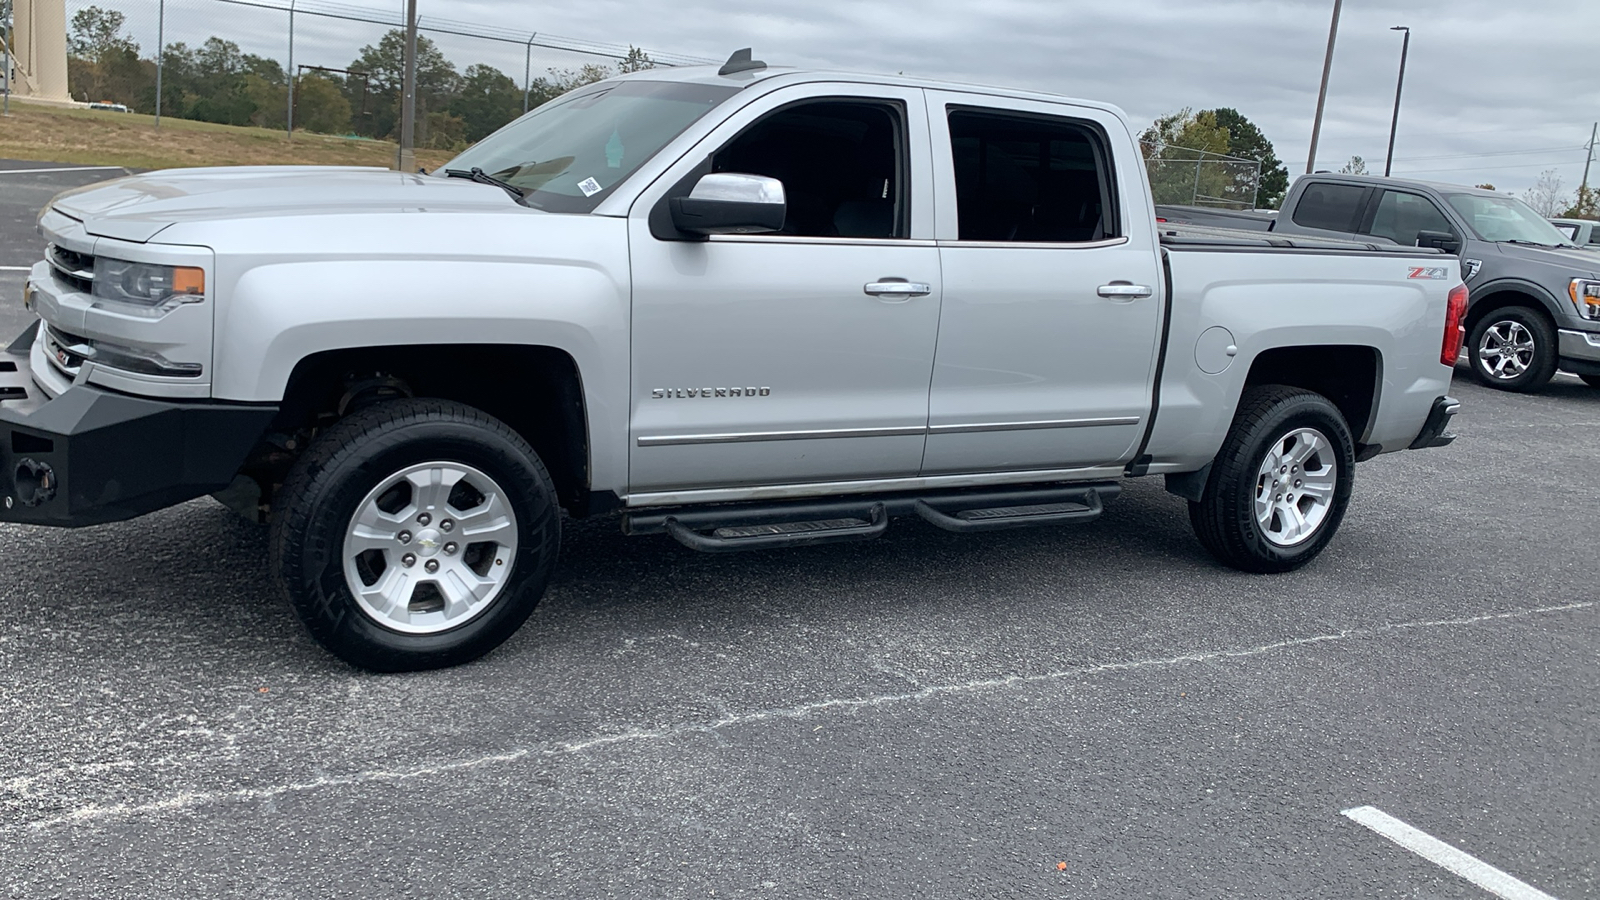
[(348, 461), (1540, 368), (1591, 380), (1225, 518)]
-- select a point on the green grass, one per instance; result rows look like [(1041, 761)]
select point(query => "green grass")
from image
[(106, 138)]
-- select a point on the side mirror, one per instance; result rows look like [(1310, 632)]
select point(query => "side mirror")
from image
[(1439, 240), (731, 203)]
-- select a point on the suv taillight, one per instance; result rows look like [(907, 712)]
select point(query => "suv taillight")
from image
[(1454, 317)]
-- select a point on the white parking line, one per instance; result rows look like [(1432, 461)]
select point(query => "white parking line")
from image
[(62, 169), (1441, 854), (16, 268)]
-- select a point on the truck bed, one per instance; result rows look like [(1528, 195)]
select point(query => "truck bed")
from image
[(1205, 237)]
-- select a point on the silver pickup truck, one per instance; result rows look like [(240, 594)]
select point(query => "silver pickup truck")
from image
[(748, 307)]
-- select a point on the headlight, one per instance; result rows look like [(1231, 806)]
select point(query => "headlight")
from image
[(148, 289), (1586, 297)]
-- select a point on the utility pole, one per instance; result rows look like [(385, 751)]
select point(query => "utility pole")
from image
[(408, 102), (1394, 123), (161, 51), (1589, 158), (1322, 93), (289, 116)]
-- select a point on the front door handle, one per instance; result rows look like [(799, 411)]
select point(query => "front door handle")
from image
[(897, 287), (1122, 290)]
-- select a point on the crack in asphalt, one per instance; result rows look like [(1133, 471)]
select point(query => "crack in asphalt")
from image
[(95, 813)]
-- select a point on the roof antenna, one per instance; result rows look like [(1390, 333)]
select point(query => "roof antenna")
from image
[(740, 61)]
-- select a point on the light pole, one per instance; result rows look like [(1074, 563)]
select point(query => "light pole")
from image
[(1405, 45), (1322, 93)]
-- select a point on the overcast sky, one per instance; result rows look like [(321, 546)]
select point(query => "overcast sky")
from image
[(1496, 90)]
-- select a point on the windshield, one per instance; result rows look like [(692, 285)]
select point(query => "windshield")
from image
[(569, 153), (1504, 219)]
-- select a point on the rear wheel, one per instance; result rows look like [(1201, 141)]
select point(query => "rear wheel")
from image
[(1278, 488), (415, 534), (1513, 349)]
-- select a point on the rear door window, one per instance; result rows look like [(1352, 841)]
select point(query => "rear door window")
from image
[(1330, 206), (1401, 216), (1029, 178)]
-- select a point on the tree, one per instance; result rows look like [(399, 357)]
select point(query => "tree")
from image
[(1585, 206), (320, 106), (1356, 166), (104, 63), (385, 65), (1245, 140), (1546, 196), (636, 61), (1186, 155), (96, 32), (267, 100), (488, 99)]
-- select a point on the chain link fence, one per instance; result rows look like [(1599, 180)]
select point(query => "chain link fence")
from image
[(325, 66), (1181, 176)]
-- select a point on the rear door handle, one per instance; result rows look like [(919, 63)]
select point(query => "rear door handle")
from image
[(897, 287), (1122, 290)]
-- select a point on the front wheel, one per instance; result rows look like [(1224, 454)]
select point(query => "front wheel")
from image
[(1279, 486), (1513, 349), (415, 534)]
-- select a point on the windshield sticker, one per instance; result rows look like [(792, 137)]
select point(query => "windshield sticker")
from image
[(590, 187)]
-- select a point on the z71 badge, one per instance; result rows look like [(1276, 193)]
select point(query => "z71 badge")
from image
[(1432, 274)]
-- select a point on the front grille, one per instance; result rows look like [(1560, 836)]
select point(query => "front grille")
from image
[(74, 269)]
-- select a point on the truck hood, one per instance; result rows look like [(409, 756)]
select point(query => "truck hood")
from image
[(1580, 263), (139, 207)]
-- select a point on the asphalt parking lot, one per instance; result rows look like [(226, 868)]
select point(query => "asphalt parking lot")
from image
[(1090, 712)]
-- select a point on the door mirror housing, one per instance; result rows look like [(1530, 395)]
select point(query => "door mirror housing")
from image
[(1439, 240), (731, 203)]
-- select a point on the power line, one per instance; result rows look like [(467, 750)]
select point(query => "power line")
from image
[(1488, 154), (1548, 164), (351, 13)]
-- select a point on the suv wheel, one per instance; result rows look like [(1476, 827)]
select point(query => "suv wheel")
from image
[(415, 534), (1279, 486), (1513, 349)]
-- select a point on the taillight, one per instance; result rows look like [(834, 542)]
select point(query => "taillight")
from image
[(1455, 317)]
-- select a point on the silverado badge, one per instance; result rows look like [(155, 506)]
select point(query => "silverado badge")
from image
[(661, 393)]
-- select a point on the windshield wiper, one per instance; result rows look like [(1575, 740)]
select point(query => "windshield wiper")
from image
[(1522, 243), (482, 177)]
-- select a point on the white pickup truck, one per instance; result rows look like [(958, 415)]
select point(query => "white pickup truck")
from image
[(747, 307)]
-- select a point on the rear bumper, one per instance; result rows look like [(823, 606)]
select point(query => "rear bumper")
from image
[(1433, 432), (90, 455)]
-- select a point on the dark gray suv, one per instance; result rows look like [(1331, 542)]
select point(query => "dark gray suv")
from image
[(1535, 297)]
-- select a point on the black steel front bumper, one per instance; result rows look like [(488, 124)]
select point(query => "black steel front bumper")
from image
[(91, 455), (1433, 432)]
